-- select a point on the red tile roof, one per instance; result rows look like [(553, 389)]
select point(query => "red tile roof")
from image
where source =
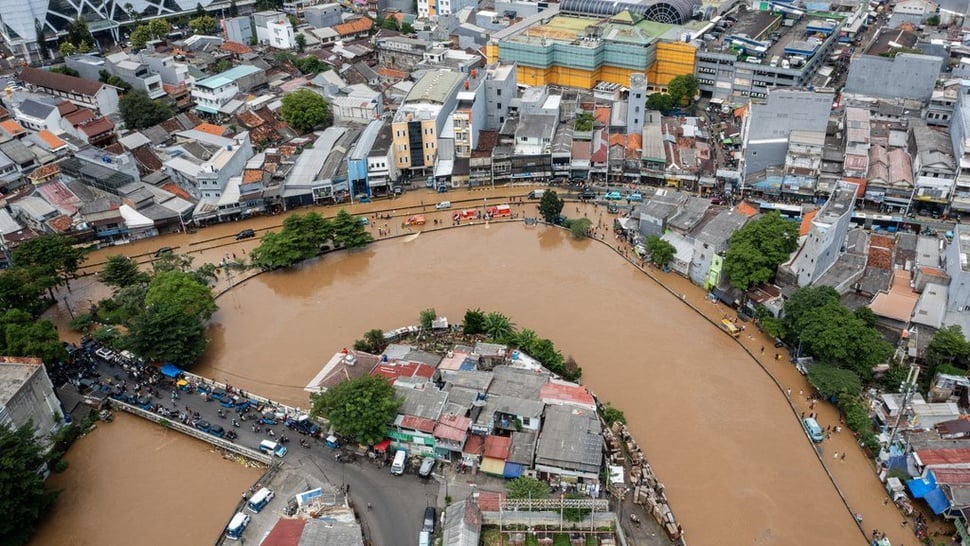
[(417, 423), (175, 190), (356, 26), (498, 447), (51, 139), (61, 224), (60, 82), (211, 128), (490, 501), (236, 48), (12, 128), (249, 119), (286, 532), (79, 115), (806, 224), (403, 369), (474, 445), (452, 427), (747, 209), (569, 393), (97, 127)]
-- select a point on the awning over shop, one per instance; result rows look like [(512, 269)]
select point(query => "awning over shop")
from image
[(493, 466), (171, 370), (513, 470), (382, 446)]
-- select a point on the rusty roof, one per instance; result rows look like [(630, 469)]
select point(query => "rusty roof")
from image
[(211, 128), (249, 119), (60, 82), (236, 48)]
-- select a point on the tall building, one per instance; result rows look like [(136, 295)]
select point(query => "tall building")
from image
[(27, 396), (583, 47), (826, 236), (421, 118), (769, 125), (238, 29), (636, 109), (500, 89)]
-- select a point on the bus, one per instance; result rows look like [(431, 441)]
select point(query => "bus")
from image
[(730, 327)]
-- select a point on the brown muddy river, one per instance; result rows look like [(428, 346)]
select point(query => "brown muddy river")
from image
[(737, 466), (131, 482)]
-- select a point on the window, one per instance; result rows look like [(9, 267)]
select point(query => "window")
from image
[(500, 106), (498, 92)]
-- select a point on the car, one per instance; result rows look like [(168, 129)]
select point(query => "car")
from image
[(442, 188), (216, 431), (105, 353), (204, 426), (362, 220), (443, 205), (398, 190), (427, 465), (164, 250), (636, 197), (613, 196), (588, 194), (245, 234), (429, 519)]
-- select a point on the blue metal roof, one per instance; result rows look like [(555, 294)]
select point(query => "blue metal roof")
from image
[(229, 76)]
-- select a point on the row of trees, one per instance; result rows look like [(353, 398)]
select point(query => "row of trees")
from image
[(306, 235)]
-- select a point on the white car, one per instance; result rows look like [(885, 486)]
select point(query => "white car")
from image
[(443, 205)]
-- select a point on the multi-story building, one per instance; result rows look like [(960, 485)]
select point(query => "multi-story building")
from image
[(324, 15), (764, 49), (298, 7), (37, 116), (131, 70), (274, 29), (368, 164), (437, 8), (905, 76), (91, 94), (238, 29), (206, 177), (214, 92), (956, 261), (579, 44), (27, 396), (934, 169), (960, 135), (826, 236), (421, 118), (636, 108), (500, 89), (469, 117), (171, 71)]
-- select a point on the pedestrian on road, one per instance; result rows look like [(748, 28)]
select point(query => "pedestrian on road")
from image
[(843, 455), (762, 349)]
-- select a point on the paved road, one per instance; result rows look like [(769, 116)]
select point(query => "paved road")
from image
[(398, 502)]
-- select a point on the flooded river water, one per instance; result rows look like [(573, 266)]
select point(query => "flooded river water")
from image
[(716, 429), (132, 482), (735, 461)]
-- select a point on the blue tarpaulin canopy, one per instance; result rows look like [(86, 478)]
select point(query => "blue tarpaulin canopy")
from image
[(171, 370), (937, 501), (512, 470), (927, 490), (897, 461)]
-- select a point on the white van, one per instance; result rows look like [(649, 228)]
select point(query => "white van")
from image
[(237, 525), (443, 205), (400, 459), (273, 448), (260, 499)]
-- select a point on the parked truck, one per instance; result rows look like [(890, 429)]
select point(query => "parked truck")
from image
[(536, 194)]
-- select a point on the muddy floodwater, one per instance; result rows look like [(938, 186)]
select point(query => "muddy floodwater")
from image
[(737, 467), (133, 482)]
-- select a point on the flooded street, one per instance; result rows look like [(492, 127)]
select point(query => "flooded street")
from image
[(714, 427), (133, 482)]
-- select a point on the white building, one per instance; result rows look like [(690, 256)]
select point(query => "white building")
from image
[(27, 396), (205, 178), (823, 244), (274, 29)]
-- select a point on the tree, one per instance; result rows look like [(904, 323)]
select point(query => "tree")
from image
[(406, 28), (204, 24), (21, 289), (527, 488), (359, 409), (661, 102), (66, 49), (309, 64), (580, 227), (107, 77), (474, 322), (584, 122), (373, 342), (612, 415), (390, 23), (804, 300), (833, 381), (305, 110), (756, 250), (683, 89), (550, 206), (77, 32), (834, 335), (947, 348), (51, 256), (661, 252), (221, 66), (24, 336), (233, 9), (427, 317), (83, 47), (139, 111), (348, 232), (498, 326), (25, 499), (151, 30), (301, 238), (172, 326), (300, 42)]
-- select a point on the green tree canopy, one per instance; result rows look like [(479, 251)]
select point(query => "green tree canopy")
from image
[(221, 66), (661, 252), (172, 326), (310, 65), (300, 42), (947, 348), (21, 289), (25, 499), (66, 49), (348, 232), (359, 408), (474, 322), (305, 110), (373, 342), (204, 24), (550, 206), (301, 238), (833, 381), (427, 317), (804, 300), (683, 88), (662, 102), (756, 250), (77, 32), (51, 256), (24, 336), (579, 228), (498, 326), (151, 30), (139, 111), (527, 488), (584, 122)]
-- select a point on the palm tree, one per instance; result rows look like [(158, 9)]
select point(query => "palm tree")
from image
[(525, 339), (498, 327)]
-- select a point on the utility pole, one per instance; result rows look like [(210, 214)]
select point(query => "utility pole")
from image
[(908, 389)]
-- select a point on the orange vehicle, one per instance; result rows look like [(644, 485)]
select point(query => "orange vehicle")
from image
[(416, 220), (467, 214), (500, 211)]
